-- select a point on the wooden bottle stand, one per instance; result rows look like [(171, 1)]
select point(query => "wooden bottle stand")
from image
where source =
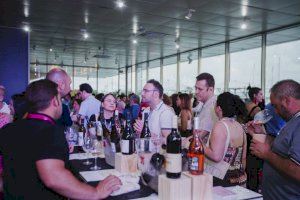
[(201, 186), (174, 189), (126, 163)]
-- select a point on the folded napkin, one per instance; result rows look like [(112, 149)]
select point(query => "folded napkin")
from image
[(130, 182), (83, 156)]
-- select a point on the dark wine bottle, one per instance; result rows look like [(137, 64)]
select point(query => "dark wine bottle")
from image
[(81, 132), (128, 140), (115, 138), (145, 135), (173, 156)]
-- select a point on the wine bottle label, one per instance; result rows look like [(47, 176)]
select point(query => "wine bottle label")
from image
[(125, 146), (80, 138), (194, 163), (173, 163), (142, 144), (92, 131), (113, 147)]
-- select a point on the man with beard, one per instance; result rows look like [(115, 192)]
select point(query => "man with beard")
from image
[(35, 153), (281, 170), (160, 116)]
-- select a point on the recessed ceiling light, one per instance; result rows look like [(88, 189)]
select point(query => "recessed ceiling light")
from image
[(85, 35), (120, 4), (26, 28), (243, 26), (51, 49), (26, 10), (134, 41)]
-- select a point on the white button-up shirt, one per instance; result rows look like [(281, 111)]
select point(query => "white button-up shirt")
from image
[(207, 115), (89, 107), (160, 119)]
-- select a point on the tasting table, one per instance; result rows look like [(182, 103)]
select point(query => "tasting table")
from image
[(77, 166)]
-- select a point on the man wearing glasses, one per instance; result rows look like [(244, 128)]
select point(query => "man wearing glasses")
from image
[(204, 92), (161, 115)]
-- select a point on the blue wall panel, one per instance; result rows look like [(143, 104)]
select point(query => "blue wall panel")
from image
[(14, 57)]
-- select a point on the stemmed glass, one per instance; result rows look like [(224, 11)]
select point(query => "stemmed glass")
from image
[(87, 147), (96, 151), (262, 117)]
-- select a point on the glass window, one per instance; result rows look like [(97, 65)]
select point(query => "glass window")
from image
[(107, 81), (213, 62), (141, 77), (188, 70), (170, 75), (85, 75), (245, 65), (129, 79), (37, 72), (283, 58), (122, 81), (154, 70)]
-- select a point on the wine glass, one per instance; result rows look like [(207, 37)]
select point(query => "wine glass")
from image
[(96, 151), (262, 117), (87, 147)]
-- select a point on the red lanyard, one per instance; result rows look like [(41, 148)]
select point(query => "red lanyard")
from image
[(40, 117)]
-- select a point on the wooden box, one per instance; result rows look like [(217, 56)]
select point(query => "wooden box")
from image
[(201, 186), (174, 189), (126, 163)]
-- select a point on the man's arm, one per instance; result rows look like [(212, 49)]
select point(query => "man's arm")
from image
[(284, 165), (56, 177)]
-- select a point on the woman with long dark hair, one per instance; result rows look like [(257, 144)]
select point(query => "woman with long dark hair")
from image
[(227, 140), (254, 169)]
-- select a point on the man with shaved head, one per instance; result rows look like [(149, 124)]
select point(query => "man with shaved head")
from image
[(63, 80)]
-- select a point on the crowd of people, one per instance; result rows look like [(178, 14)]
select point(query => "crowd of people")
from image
[(227, 127)]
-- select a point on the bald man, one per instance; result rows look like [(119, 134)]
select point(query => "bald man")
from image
[(63, 80)]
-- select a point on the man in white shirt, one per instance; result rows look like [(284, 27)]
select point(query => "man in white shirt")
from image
[(204, 92), (161, 115), (90, 105)]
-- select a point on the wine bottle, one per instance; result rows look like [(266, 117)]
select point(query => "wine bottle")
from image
[(173, 156), (145, 135), (115, 138), (117, 122), (128, 140), (196, 151), (81, 132), (91, 128)]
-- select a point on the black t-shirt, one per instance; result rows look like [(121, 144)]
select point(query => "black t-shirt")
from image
[(22, 144)]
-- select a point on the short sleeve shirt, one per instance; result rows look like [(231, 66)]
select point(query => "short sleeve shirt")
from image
[(286, 144), (89, 107), (22, 144), (160, 119), (207, 115)]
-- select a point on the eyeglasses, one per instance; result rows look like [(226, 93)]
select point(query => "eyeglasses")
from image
[(110, 101), (146, 90)]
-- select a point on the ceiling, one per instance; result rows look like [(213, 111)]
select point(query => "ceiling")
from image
[(155, 24)]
